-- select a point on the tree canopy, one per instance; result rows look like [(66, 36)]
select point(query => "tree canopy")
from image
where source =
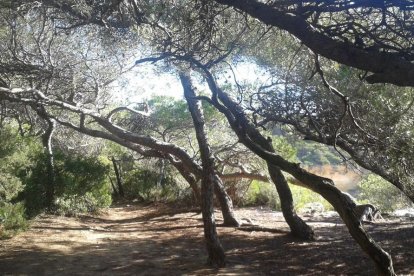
[(336, 72)]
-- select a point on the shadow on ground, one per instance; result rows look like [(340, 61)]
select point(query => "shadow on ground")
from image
[(155, 241)]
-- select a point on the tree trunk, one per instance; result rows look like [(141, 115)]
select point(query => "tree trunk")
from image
[(323, 186), (226, 204), (161, 174), (118, 178), (298, 227), (50, 164), (215, 251), (115, 191), (190, 178)]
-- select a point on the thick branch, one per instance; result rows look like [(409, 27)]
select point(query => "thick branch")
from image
[(386, 67)]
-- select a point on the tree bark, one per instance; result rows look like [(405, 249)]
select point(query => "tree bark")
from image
[(226, 204), (189, 177), (50, 163), (161, 174), (325, 187), (352, 147), (115, 191), (298, 227), (118, 178), (386, 67), (215, 250)]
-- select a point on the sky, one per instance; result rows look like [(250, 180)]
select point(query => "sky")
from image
[(148, 80)]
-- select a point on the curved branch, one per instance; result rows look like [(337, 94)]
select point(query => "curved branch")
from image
[(386, 67)]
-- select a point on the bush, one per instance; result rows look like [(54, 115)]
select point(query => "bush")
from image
[(142, 183), (303, 196), (379, 192), (261, 194), (79, 180), (72, 205), (12, 219), (265, 194)]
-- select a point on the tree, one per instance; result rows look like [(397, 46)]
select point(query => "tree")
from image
[(209, 176), (199, 33), (364, 35), (369, 124), (250, 137)]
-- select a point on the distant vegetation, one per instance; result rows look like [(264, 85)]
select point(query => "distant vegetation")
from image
[(83, 183)]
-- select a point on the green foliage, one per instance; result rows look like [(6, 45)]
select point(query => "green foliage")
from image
[(16, 153), (10, 185), (142, 183), (284, 148), (262, 194), (12, 219), (265, 194), (379, 192), (315, 154), (169, 112), (80, 180), (303, 196), (73, 204)]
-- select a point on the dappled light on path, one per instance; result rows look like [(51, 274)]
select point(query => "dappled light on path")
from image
[(159, 240)]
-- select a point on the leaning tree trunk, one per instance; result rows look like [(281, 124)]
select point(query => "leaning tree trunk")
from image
[(226, 204), (298, 227), (118, 178), (216, 255), (224, 199), (50, 164), (323, 186), (161, 174), (190, 178)]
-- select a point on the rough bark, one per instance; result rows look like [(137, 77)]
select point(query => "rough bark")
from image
[(118, 178), (190, 178), (298, 227), (114, 189), (386, 67), (50, 163), (244, 175), (161, 173), (360, 158), (216, 255), (226, 204), (323, 186)]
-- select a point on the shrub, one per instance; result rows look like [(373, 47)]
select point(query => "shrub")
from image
[(265, 194), (72, 205), (142, 183), (12, 219), (261, 194), (79, 180), (379, 192), (303, 196)]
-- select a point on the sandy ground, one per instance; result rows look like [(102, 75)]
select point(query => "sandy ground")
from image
[(163, 240)]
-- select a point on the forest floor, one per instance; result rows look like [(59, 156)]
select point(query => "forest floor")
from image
[(163, 240)]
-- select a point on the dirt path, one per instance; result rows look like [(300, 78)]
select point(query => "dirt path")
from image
[(156, 240)]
